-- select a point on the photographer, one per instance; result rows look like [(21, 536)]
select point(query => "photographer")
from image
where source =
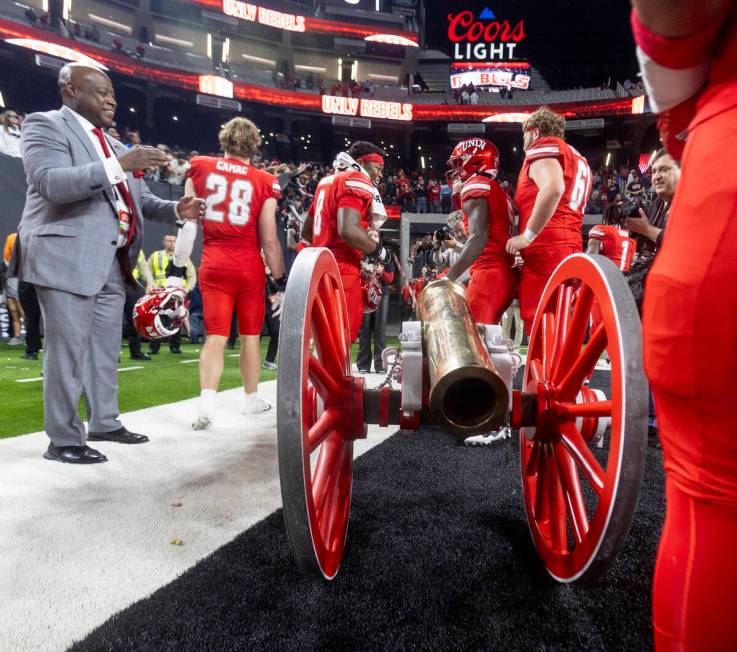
[(448, 244), (648, 220)]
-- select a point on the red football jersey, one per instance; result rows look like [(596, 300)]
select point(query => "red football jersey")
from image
[(564, 227), (501, 220), (616, 244), (234, 193), (344, 189)]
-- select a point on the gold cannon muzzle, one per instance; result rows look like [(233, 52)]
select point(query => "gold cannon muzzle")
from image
[(467, 395)]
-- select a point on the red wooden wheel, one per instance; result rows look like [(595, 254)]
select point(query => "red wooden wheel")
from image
[(579, 497), (319, 413)]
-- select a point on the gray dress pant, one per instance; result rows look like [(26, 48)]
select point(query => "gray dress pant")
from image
[(81, 355)]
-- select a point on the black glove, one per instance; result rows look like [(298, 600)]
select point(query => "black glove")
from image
[(173, 270), (380, 254)]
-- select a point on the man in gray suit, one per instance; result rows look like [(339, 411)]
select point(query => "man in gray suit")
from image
[(80, 236)]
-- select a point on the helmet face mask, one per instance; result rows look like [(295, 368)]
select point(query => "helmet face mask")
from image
[(160, 312)]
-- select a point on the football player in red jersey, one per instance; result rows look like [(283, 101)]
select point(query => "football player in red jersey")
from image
[(552, 190), (612, 239), (488, 216), (687, 52), (240, 220), (344, 207)]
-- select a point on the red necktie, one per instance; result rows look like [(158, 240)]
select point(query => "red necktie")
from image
[(122, 189)]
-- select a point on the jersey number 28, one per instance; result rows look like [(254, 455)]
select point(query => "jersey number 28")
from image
[(240, 195)]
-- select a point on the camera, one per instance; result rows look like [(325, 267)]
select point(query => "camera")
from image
[(631, 208), (443, 233)]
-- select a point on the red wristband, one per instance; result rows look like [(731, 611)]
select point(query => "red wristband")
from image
[(675, 53)]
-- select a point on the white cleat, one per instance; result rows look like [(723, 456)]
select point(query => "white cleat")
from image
[(201, 423), (254, 405), (490, 438), (205, 413)]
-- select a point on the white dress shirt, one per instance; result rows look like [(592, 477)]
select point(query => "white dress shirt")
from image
[(113, 169)]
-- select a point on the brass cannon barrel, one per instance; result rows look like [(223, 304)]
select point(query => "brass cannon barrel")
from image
[(467, 395)]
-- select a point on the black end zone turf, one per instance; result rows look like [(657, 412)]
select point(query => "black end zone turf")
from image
[(438, 557)]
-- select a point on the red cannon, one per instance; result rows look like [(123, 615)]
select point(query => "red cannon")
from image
[(582, 449)]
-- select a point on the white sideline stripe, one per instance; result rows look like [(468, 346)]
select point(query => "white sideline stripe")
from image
[(51, 512), (40, 378), (233, 355), (189, 361)]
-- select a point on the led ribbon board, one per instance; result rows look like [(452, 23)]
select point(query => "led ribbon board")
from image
[(377, 109)]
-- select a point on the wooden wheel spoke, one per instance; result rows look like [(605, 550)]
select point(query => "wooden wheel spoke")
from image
[(334, 314), (336, 503), (573, 442), (322, 428), (548, 343), (536, 369), (586, 410), (562, 318), (533, 461), (558, 529), (575, 333), (572, 491), (321, 379), (322, 332), (583, 366), (542, 502), (326, 461)]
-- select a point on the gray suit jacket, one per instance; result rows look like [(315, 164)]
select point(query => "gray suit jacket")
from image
[(69, 230)]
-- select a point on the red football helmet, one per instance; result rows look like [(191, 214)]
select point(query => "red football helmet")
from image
[(371, 291), (472, 156), (160, 312)]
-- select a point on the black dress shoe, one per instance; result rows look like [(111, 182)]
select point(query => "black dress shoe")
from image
[(30, 356), (140, 355), (121, 436), (177, 351), (74, 454), (379, 370)]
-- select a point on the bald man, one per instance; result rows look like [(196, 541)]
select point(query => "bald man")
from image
[(80, 236)]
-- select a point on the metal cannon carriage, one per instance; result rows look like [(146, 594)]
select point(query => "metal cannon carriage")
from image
[(581, 448)]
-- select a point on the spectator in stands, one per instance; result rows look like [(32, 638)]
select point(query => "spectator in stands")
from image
[(178, 167), (421, 195), (133, 139), (473, 96), (390, 195), (10, 133), (433, 196), (113, 133), (10, 292)]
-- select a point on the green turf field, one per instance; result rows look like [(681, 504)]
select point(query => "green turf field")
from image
[(164, 379)]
